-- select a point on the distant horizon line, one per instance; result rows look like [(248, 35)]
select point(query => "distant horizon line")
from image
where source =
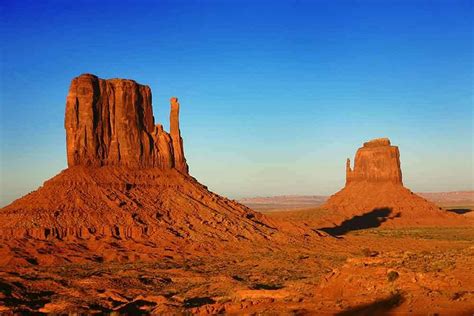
[(325, 195)]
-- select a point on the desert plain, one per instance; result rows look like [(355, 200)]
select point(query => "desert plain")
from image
[(409, 270)]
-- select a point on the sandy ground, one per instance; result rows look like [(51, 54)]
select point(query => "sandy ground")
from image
[(423, 271)]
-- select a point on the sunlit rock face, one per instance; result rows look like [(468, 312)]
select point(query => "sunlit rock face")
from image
[(110, 122), (376, 161)]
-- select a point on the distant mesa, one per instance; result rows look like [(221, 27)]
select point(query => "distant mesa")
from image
[(375, 182)]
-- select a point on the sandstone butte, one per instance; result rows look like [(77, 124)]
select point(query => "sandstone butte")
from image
[(374, 185), (127, 179), (110, 122)]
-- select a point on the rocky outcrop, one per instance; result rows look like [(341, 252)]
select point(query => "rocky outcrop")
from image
[(110, 122), (375, 183), (376, 161)]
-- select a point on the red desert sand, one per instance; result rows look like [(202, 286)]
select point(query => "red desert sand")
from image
[(126, 229)]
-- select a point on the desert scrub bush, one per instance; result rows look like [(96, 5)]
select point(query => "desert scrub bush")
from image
[(392, 276), (437, 233)]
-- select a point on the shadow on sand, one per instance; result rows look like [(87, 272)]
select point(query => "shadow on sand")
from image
[(379, 307), (459, 211), (371, 219)]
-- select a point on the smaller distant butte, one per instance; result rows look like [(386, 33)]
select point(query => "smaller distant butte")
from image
[(375, 182)]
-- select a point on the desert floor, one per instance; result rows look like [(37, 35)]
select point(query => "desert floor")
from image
[(424, 271)]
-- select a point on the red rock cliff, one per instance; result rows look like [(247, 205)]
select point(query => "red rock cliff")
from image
[(110, 122), (376, 161)]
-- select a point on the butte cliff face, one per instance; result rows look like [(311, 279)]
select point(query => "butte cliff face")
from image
[(110, 122), (375, 185), (376, 161)]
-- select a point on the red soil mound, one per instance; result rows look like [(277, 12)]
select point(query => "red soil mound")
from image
[(116, 213), (129, 203)]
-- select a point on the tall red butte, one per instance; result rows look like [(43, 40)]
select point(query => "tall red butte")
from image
[(127, 180), (375, 183), (110, 122)]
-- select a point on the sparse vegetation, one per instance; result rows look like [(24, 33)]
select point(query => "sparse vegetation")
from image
[(262, 286), (392, 276), (437, 233)]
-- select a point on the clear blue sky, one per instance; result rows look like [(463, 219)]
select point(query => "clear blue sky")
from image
[(275, 95)]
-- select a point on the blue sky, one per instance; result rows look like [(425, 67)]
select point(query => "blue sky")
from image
[(275, 95)]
